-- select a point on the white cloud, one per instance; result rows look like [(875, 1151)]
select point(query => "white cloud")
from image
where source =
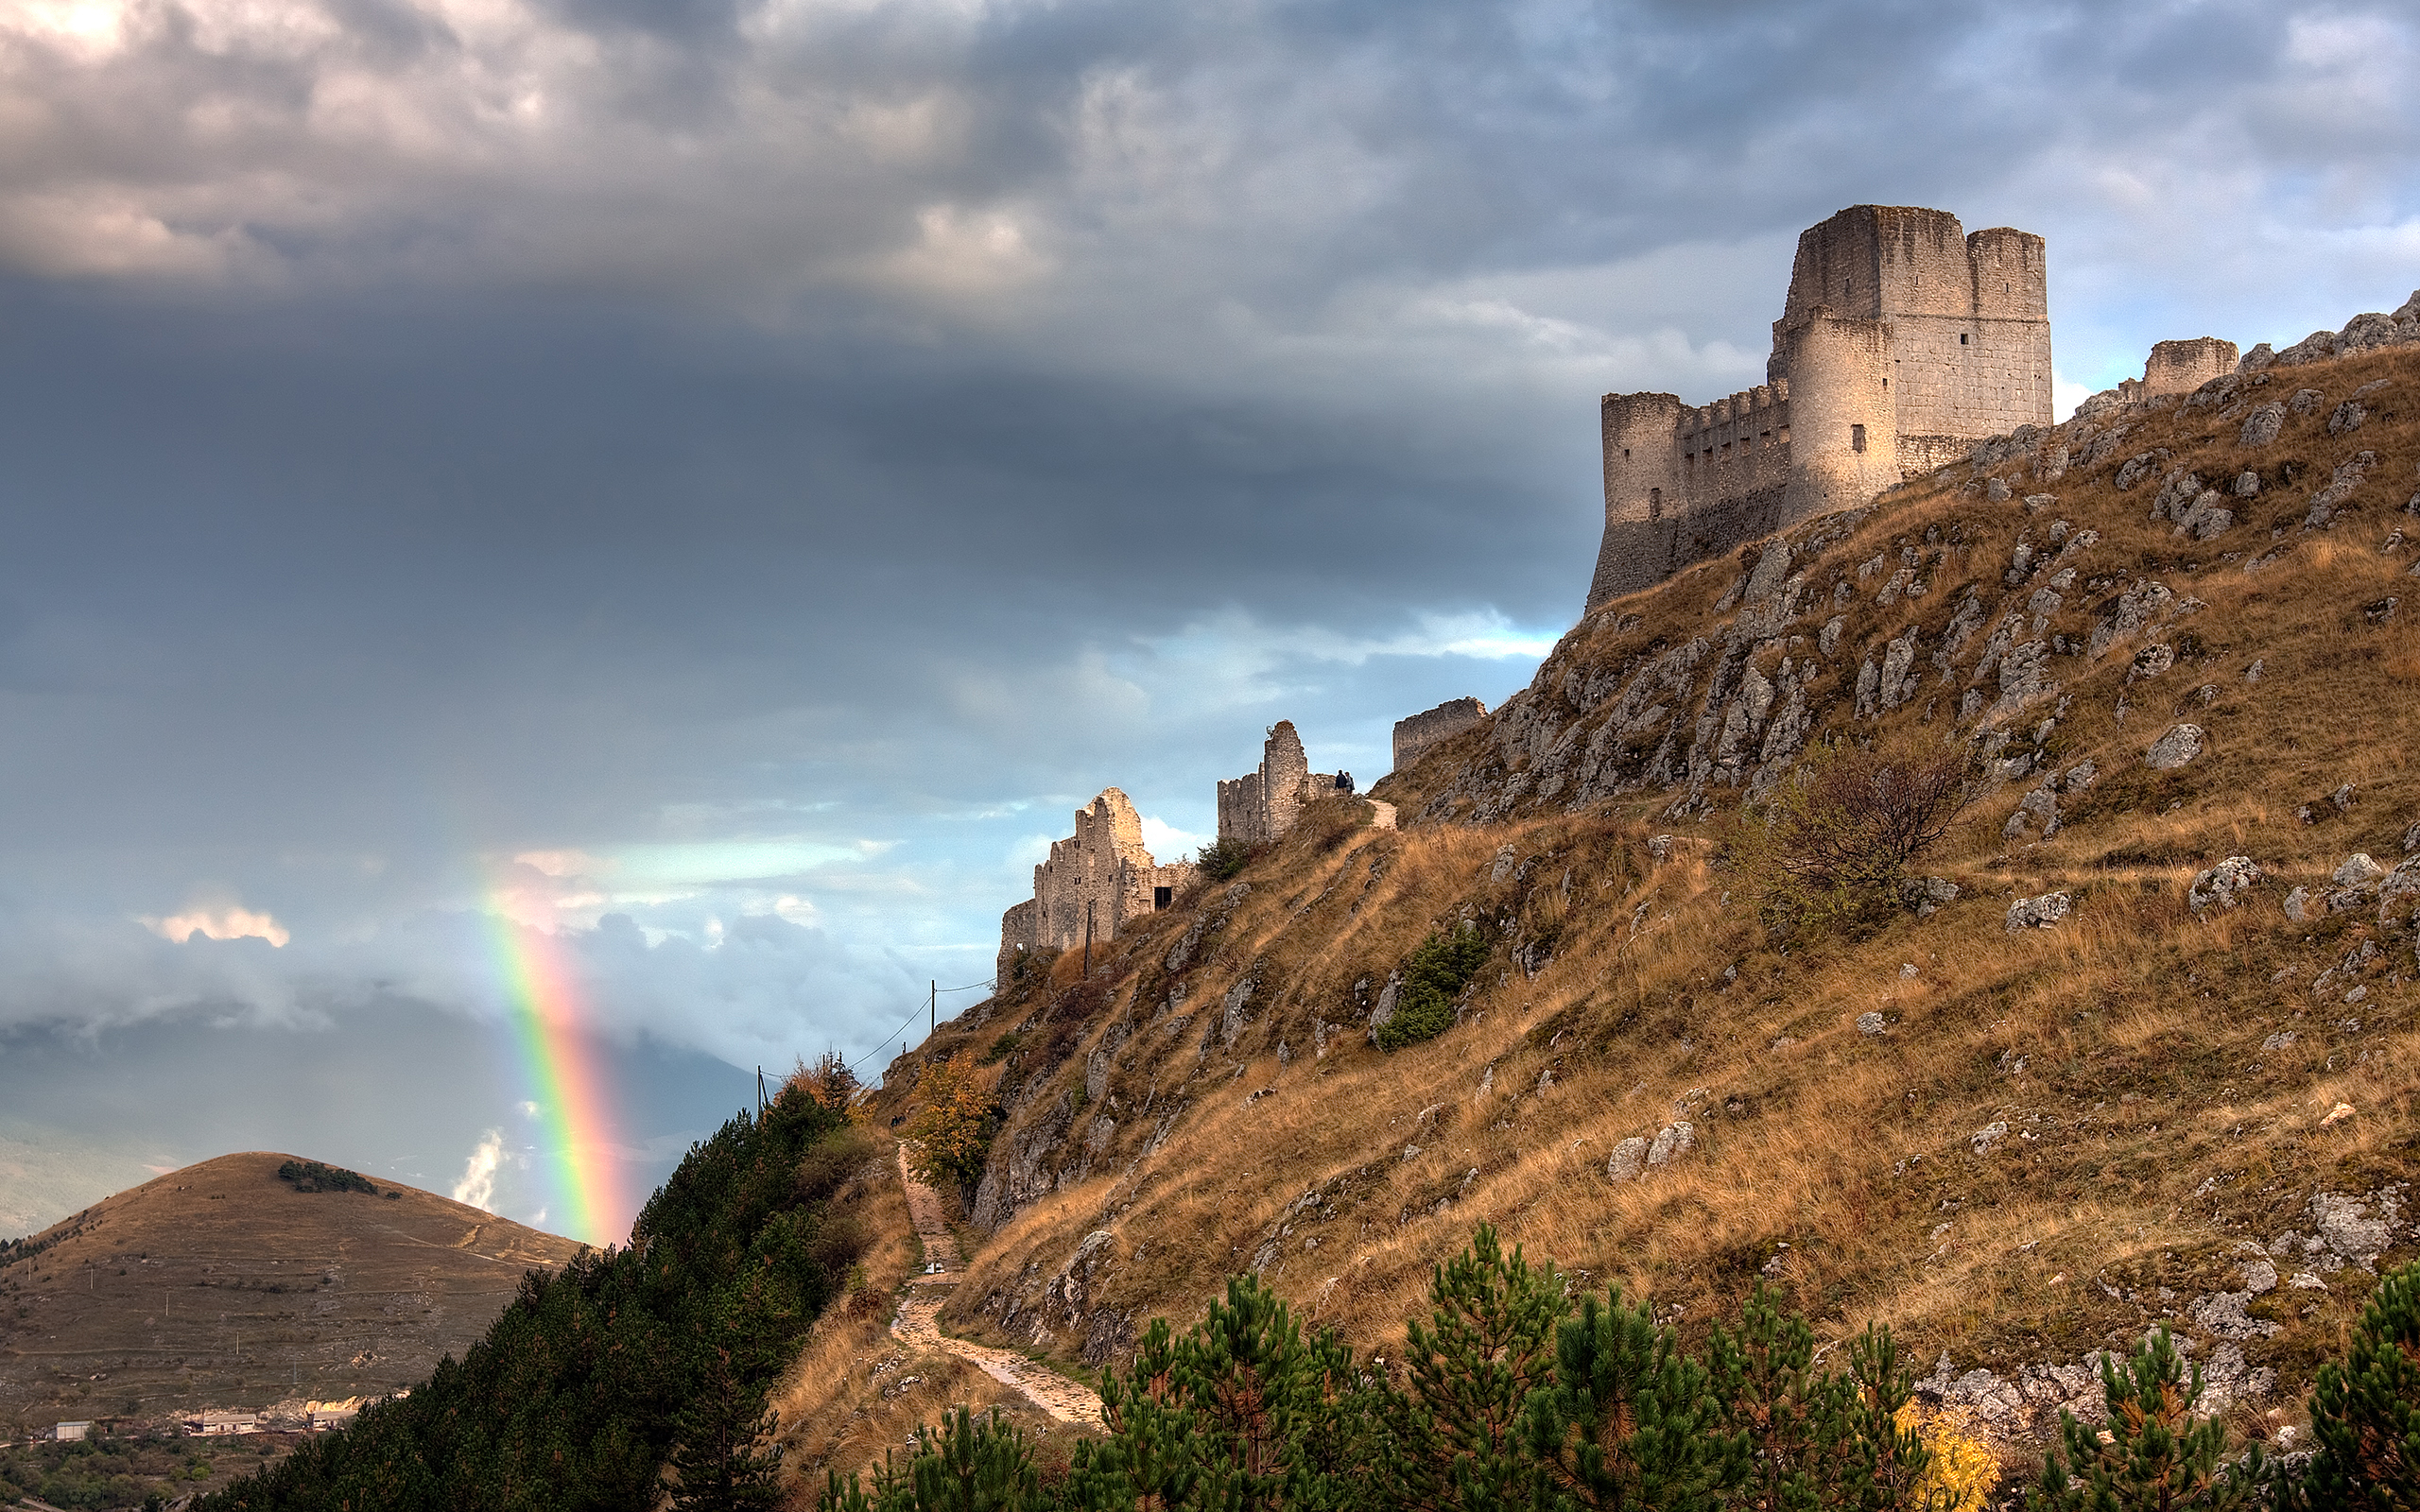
[(477, 1186), (234, 922), (2065, 394), (1166, 842)]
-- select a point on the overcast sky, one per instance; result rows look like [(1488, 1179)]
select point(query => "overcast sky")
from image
[(722, 481)]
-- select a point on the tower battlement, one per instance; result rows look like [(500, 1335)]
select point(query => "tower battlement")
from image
[(1902, 340)]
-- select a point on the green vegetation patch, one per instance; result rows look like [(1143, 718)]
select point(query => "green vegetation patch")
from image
[(1435, 975), (310, 1176)]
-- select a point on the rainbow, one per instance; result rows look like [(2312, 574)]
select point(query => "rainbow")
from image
[(559, 1069)]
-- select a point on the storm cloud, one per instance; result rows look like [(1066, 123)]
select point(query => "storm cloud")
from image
[(721, 482)]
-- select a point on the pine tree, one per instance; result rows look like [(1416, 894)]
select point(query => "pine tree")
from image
[(1629, 1423), (1150, 1461), (1242, 1371), (974, 1465), (1490, 1343), (2154, 1455), (2365, 1412)]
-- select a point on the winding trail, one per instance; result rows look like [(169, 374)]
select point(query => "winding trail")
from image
[(917, 1324), (1385, 817)]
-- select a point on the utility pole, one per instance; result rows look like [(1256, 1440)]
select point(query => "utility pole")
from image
[(1088, 937), (932, 1005), (760, 1091)]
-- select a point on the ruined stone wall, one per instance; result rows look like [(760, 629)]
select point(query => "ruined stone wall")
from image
[(1416, 735), (1100, 875), (1242, 813), (1016, 940), (1267, 801), (2181, 366), (1902, 341)]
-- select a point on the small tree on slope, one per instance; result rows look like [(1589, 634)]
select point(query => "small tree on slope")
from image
[(2365, 1413), (2154, 1455)]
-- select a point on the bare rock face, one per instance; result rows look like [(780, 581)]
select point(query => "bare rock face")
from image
[(2038, 912), (2224, 886), (2341, 485), (2182, 743)]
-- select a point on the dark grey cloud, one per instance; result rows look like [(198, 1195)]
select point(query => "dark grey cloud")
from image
[(723, 480)]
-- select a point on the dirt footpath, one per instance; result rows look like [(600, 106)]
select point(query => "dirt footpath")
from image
[(915, 1324)]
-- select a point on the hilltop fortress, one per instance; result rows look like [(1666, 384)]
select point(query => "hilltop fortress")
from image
[(1903, 341)]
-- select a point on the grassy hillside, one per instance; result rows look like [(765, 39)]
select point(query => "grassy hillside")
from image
[(2017, 1146), (222, 1285)]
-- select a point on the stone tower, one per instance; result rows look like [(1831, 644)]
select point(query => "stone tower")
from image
[(1901, 342)]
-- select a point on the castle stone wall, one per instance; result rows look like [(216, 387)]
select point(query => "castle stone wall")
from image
[(1416, 735), (2181, 366), (1902, 340)]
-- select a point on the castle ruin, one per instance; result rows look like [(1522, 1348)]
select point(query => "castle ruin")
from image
[(1902, 341), (1093, 881), (1416, 734), (2178, 368), (1265, 802)]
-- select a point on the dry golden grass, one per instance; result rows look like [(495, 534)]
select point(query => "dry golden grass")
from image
[(2148, 1130)]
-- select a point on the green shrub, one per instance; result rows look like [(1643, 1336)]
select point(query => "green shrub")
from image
[(1435, 975), (1223, 860), (1829, 850), (310, 1176)]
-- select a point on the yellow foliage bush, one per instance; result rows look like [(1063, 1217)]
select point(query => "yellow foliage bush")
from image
[(954, 1124), (1963, 1469)]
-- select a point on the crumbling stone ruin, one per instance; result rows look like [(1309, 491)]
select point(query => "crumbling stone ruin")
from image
[(1096, 879), (1413, 736), (1903, 341), (1264, 803)]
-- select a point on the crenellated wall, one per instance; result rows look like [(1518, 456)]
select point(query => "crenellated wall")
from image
[(1902, 340)]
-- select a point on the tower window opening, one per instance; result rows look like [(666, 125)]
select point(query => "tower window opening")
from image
[(1962, 338), (1886, 382), (1856, 437), (1625, 454), (1655, 503)]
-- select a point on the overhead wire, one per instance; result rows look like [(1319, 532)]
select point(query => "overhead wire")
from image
[(886, 1039)]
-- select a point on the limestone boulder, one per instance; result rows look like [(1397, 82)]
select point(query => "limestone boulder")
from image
[(2261, 426), (1629, 1159), (2182, 743), (2355, 869), (2038, 912), (2224, 886), (1671, 1141)]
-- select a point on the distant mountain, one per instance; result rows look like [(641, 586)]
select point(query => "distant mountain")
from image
[(224, 1285)]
